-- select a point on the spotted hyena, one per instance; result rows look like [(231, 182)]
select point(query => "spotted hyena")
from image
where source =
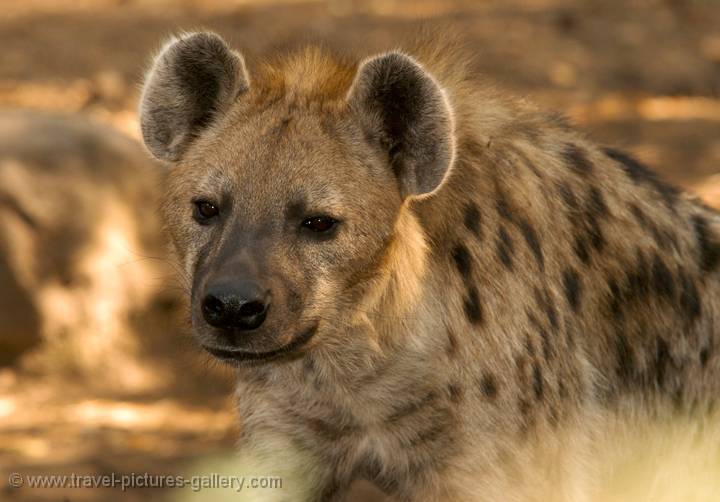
[(423, 283)]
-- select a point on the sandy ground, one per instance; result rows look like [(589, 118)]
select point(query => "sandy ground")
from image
[(642, 75)]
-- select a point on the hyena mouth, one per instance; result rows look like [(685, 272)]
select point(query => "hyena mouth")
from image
[(244, 355)]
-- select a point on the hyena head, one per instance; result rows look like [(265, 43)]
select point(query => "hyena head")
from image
[(284, 189)]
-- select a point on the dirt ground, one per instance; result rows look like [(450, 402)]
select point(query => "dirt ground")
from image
[(643, 75)]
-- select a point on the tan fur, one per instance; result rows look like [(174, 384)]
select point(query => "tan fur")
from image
[(312, 74), (399, 283)]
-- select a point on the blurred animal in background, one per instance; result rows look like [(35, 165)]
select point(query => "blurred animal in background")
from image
[(80, 249), (424, 283)]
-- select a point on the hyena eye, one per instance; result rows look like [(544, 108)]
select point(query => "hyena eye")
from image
[(205, 211), (319, 224)]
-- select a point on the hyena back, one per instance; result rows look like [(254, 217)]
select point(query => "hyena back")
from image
[(423, 283)]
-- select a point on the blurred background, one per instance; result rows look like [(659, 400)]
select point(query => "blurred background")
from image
[(98, 372)]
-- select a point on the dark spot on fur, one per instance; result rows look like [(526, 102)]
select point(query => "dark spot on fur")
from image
[(662, 239), (473, 309), (587, 232), (704, 356), (709, 247), (568, 196), (581, 249), (639, 283), (413, 407), (639, 216), (662, 278), (452, 344), (524, 406), (639, 173), (545, 302), (544, 337), (616, 299), (594, 232), (470, 150), (472, 219), (438, 430), (531, 238), (577, 159), (329, 431), (546, 345), (538, 385), (639, 279), (597, 204), (502, 206), (662, 361), (505, 248), (462, 259), (489, 386), (533, 319), (573, 288), (689, 297), (529, 347), (432, 437), (455, 392)]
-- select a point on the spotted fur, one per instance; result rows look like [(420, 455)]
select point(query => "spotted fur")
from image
[(499, 289)]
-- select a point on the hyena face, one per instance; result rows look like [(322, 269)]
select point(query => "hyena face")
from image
[(273, 218), (284, 193)]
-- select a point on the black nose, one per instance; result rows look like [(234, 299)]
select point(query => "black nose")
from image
[(240, 306)]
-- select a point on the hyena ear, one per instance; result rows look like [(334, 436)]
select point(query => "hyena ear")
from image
[(405, 110), (193, 80)]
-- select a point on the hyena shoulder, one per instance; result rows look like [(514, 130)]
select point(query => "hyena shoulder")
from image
[(599, 255)]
